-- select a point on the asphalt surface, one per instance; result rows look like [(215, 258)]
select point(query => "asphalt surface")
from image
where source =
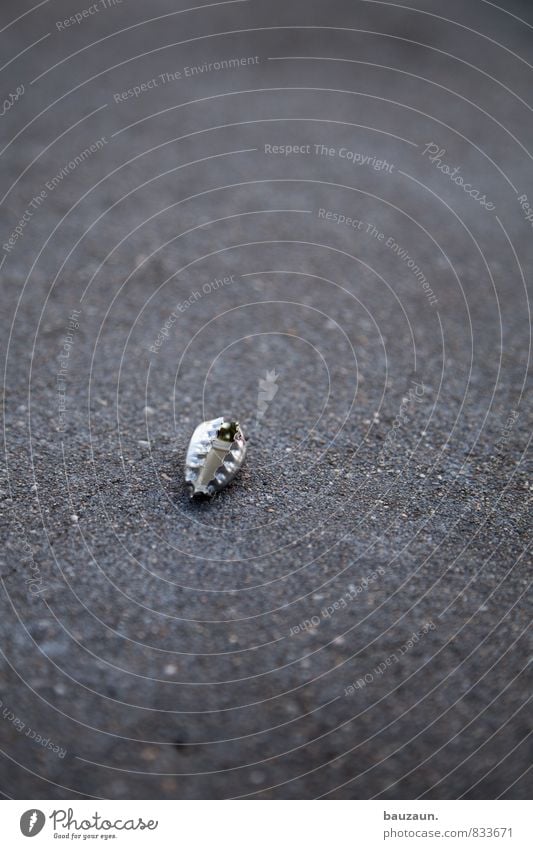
[(349, 618)]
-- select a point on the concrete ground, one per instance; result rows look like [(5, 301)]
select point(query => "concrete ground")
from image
[(312, 217)]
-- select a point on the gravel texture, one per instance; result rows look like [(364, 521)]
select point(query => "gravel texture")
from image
[(349, 618)]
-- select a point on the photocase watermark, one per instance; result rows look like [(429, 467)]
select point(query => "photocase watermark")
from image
[(400, 252), (32, 822), (65, 819), (395, 657), (34, 579), (45, 742), (74, 163), (475, 505), (17, 233), (340, 218), (526, 208), (65, 825), (11, 99), (435, 154), (354, 157), (39, 199), (505, 432), (341, 603), (188, 71), (414, 396), (83, 14), (182, 306), (367, 228), (64, 365), (268, 388)]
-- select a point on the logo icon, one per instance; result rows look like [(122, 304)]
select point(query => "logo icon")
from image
[(32, 822), (267, 392)]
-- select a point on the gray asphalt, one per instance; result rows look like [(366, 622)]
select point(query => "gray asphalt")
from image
[(349, 618)]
